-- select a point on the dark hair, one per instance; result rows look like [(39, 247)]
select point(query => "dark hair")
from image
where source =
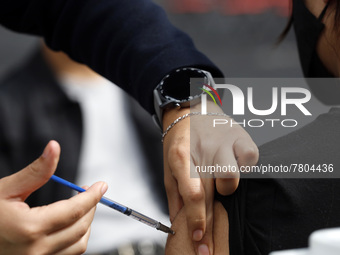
[(290, 21)]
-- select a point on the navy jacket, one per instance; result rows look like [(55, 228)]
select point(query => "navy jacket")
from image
[(130, 42)]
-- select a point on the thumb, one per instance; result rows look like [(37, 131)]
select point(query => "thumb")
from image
[(23, 183)]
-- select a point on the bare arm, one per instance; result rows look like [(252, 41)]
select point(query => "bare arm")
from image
[(181, 243)]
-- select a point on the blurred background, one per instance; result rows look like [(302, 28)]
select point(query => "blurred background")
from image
[(238, 35)]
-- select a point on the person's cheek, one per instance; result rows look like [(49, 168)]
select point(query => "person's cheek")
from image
[(328, 47)]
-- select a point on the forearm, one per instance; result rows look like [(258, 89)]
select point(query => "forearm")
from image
[(180, 243), (129, 42)]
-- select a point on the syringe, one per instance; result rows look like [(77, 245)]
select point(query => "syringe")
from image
[(121, 208)]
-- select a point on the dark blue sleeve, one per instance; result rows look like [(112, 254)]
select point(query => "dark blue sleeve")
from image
[(130, 42)]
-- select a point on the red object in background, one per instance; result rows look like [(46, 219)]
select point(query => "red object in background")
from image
[(236, 7), (190, 6), (230, 7)]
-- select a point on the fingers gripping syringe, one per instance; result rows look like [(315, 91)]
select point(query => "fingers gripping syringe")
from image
[(121, 208)]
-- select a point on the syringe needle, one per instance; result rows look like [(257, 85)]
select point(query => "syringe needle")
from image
[(118, 207), (165, 229)]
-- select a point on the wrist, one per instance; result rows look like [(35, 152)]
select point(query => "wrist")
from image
[(170, 115), (177, 92), (186, 114)]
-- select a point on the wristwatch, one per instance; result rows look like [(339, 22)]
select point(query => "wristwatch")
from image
[(180, 88)]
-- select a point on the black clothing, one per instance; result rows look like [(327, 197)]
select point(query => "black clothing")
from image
[(34, 110), (277, 214), (131, 43)]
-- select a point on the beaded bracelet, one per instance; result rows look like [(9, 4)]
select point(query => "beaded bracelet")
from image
[(188, 115)]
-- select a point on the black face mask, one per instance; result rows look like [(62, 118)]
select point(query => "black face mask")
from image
[(307, 30)]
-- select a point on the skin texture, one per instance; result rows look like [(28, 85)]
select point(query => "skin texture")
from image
[(59, 228), (328, 47), (210, 146), (180, 243)]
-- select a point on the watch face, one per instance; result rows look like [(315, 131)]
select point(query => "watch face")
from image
[(183, 84)]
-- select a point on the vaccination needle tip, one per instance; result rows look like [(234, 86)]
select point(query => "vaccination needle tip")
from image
[(165, 229)]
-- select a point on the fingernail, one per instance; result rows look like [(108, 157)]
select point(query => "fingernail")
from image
[(197, 235), (104, 188), (203, 249)]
